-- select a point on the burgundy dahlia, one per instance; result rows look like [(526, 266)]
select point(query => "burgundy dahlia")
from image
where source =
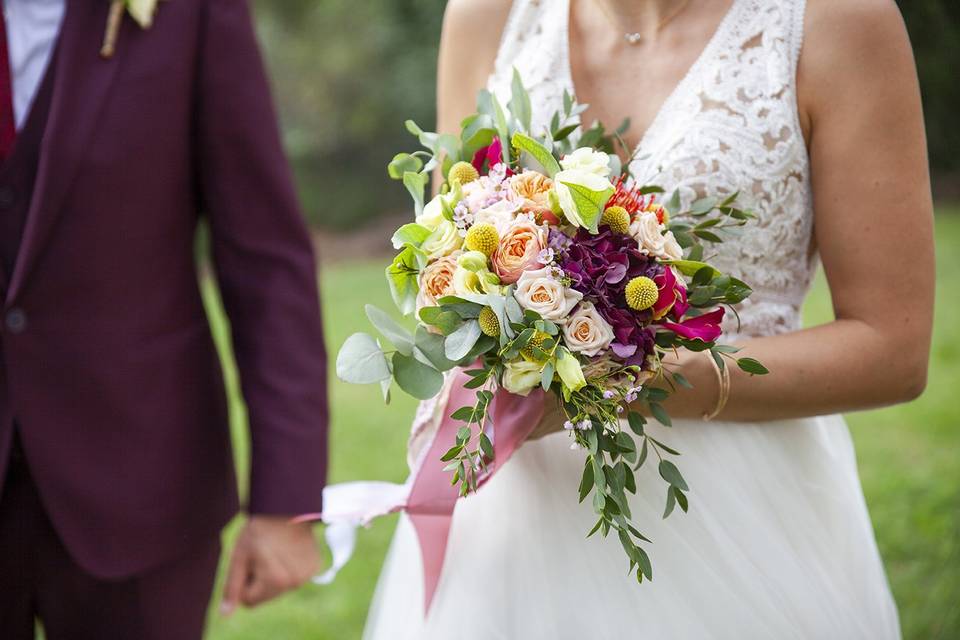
[(600, 266)]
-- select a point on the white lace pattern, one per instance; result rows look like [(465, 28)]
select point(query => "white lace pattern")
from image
[(730, 124)]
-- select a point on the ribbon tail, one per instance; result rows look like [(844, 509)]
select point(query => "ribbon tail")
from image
[(348, 506), (433, 531)]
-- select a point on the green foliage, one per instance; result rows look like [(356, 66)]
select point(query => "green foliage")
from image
[(344, 75), (907, 459), (934, 27)]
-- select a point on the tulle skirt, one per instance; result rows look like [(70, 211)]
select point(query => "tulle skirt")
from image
[(777, 544)]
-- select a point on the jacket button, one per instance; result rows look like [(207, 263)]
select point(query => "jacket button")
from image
[(15, 320), (7, 197)]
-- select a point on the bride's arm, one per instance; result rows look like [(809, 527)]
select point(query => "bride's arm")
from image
[(860, 104), (468, 50)]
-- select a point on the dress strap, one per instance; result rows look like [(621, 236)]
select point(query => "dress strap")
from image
[(797, 19)]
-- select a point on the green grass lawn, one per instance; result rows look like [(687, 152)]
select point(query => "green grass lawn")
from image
[(908, 462)]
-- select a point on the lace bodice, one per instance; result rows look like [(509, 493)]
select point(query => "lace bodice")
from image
[(731, 124)]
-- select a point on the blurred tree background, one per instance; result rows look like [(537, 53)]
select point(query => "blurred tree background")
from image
[(346, 74)]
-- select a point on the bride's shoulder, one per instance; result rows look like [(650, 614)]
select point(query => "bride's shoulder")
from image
[(477, 22), (852, 50), (476, 18), (852, 23)]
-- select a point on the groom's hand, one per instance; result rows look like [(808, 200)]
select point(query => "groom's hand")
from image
[(272, 555)]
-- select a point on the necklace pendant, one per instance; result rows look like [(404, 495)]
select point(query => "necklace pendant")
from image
[(633, 38)]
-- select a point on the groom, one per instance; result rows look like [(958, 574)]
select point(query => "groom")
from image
[(115, 463)]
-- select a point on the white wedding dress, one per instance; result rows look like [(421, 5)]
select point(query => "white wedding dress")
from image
[(778, 544)]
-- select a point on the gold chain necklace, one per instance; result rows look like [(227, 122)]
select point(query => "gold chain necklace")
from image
[(635, 37)]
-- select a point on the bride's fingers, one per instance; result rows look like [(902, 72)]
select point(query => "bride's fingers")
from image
[(237, 576)]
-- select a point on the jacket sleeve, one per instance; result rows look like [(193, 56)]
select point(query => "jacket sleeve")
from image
[(265, 265)]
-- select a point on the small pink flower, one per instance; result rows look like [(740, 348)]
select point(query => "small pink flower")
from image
[(519, 250)]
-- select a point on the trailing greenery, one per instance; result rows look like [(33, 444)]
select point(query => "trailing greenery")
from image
[(907, 457)]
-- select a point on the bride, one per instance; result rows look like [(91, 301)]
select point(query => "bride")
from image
[(814, 113)]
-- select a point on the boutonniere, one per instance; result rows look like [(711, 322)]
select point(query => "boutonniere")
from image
[(142, 11)]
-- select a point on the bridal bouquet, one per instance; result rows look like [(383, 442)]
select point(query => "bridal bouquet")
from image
[(542, 264)]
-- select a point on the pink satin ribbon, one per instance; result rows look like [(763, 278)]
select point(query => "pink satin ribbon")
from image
[(431, 499), (430, 506)]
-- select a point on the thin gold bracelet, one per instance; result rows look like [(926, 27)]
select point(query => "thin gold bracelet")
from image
[(723, 379)]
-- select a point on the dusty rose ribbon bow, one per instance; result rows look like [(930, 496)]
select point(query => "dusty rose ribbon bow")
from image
[(427, 496)]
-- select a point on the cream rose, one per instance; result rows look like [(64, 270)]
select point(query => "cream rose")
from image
[(588, 160), (444, 240), (432, 215), (539, 291), (580, 177), (648, 232), (519, 250), (521, 377), (586, 331), (436, 280), (531, 191), (671, 248)]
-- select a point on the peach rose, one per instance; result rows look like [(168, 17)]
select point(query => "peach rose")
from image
[(539, 291), (587, 332), (519, 250), (436, 280), (531, 190)]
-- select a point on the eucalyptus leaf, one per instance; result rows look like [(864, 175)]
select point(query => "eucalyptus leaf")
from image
[(660, 414), (703, 206), (417, 379), (671, 502), (477, 132), (403, 163), (411, 234), (431, 346), (673, 205), (416, 184), (586, 481), (670, 473), (445, 320), (690, 267), (752, 366), (362, 361), (519, 104), (459, 343), (401, 338)]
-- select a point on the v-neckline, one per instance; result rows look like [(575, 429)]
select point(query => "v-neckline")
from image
[(665, 107)]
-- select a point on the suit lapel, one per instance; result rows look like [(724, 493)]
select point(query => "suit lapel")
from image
[(82, 84)]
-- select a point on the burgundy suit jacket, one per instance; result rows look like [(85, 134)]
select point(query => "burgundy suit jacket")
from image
[(113, 377)]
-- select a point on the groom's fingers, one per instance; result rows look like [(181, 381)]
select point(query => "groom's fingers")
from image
[(269, 581), (237, 577)]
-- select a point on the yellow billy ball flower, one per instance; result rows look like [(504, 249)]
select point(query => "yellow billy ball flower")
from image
[(482, 237), (489, 323), (617, 218), (462, 172), (537, 341), (641, 293)]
